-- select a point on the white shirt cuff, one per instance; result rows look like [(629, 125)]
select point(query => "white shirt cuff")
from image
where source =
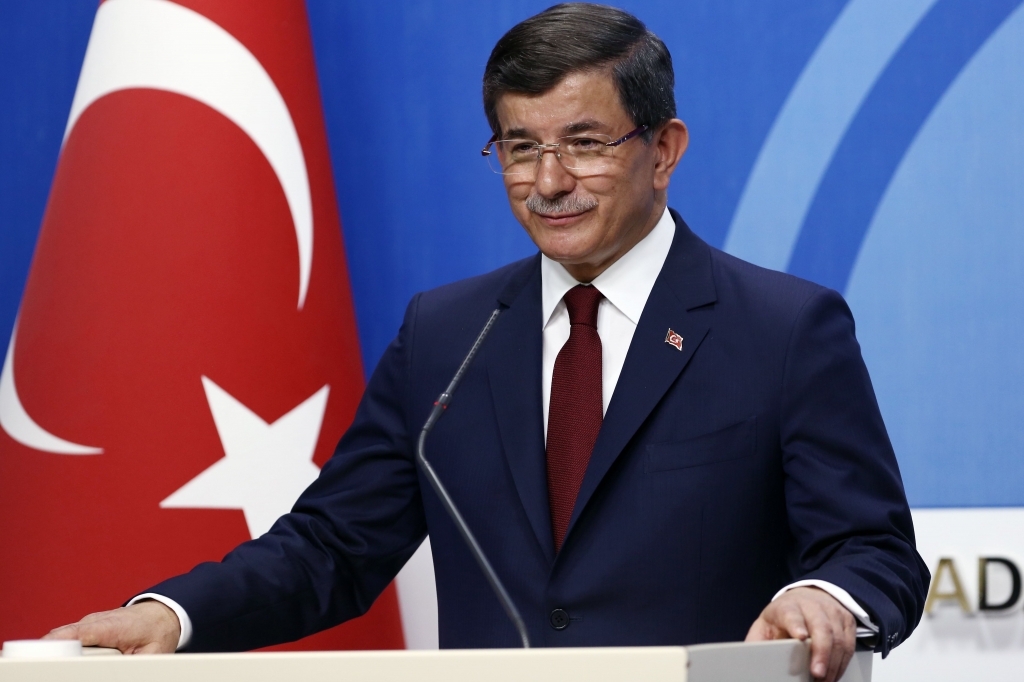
[(865, 626), (183, 620)]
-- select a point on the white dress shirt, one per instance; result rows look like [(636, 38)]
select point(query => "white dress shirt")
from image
[(626, 285)]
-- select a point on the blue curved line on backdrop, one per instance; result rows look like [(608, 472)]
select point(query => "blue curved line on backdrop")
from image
[(807, 131), (888, 121), (936, 289)]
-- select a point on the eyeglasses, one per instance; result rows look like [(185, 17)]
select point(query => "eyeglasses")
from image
[(587, 154)]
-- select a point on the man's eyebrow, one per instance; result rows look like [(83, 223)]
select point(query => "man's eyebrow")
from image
[(515, 134), (583, 126)]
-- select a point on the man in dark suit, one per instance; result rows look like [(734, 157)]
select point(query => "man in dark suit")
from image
[(657, 444)]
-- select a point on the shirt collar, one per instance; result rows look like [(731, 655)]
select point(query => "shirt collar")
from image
[(626, 284)]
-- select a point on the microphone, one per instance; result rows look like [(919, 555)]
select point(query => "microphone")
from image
[(440, 405)]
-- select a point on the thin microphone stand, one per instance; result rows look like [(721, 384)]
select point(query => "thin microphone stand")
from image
[(449, 505)]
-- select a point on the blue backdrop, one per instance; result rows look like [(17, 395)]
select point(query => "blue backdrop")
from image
[(874, 146)]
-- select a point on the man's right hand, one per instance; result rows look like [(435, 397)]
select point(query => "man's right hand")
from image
[(147, 627)]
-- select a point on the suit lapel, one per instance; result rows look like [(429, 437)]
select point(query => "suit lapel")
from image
[(652, 365), (513, 357)]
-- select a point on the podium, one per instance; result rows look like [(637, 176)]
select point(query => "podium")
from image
[(778, 661)]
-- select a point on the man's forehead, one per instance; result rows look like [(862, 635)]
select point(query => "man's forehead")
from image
[(581, 102)]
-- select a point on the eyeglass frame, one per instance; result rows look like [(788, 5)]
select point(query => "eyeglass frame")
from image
[(486, 151)]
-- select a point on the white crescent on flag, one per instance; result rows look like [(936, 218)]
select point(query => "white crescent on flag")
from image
[(161, 45), (20, 426)]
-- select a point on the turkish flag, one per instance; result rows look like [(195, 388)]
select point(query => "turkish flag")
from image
[(186, 355)]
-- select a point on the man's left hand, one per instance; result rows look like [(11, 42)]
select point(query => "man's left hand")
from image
[(809, 612)]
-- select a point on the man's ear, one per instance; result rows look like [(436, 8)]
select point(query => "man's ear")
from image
[(670, 142)]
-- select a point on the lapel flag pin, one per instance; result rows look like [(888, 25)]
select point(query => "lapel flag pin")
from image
[(673, 339)]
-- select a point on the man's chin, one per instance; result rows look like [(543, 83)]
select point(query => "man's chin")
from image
[(567, 256), (562, 246)]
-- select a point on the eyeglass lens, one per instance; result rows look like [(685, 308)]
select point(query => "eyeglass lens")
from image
[(583, 154)]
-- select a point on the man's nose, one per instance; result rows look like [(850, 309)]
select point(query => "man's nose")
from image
[(552, 177)]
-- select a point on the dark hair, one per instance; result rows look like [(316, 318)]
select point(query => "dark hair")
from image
[(538, 53)]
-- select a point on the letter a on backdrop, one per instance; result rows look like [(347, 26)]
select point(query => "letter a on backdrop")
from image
[(186, 355)]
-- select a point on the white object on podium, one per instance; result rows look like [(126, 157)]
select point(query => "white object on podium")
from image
[(779, 661), (42, 648)]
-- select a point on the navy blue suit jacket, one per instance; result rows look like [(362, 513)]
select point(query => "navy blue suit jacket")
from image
[(754, 457)]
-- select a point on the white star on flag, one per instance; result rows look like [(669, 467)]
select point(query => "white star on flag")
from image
[(266, 466)]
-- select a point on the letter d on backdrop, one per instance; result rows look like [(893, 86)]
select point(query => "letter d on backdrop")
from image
[(983, 584)]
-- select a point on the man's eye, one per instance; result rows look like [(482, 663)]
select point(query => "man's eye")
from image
[(520, 149), (584, 144)]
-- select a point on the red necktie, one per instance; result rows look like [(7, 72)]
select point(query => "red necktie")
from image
[(575, 412)]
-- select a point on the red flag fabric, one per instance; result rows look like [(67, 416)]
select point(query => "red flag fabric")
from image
[(185, 356)]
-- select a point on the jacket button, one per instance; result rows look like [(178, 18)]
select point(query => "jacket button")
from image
[(559, 619)]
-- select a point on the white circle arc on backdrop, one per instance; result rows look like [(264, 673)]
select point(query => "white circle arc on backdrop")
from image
[(813, 120)]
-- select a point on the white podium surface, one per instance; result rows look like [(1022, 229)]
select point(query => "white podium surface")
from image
[(781, 661)]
